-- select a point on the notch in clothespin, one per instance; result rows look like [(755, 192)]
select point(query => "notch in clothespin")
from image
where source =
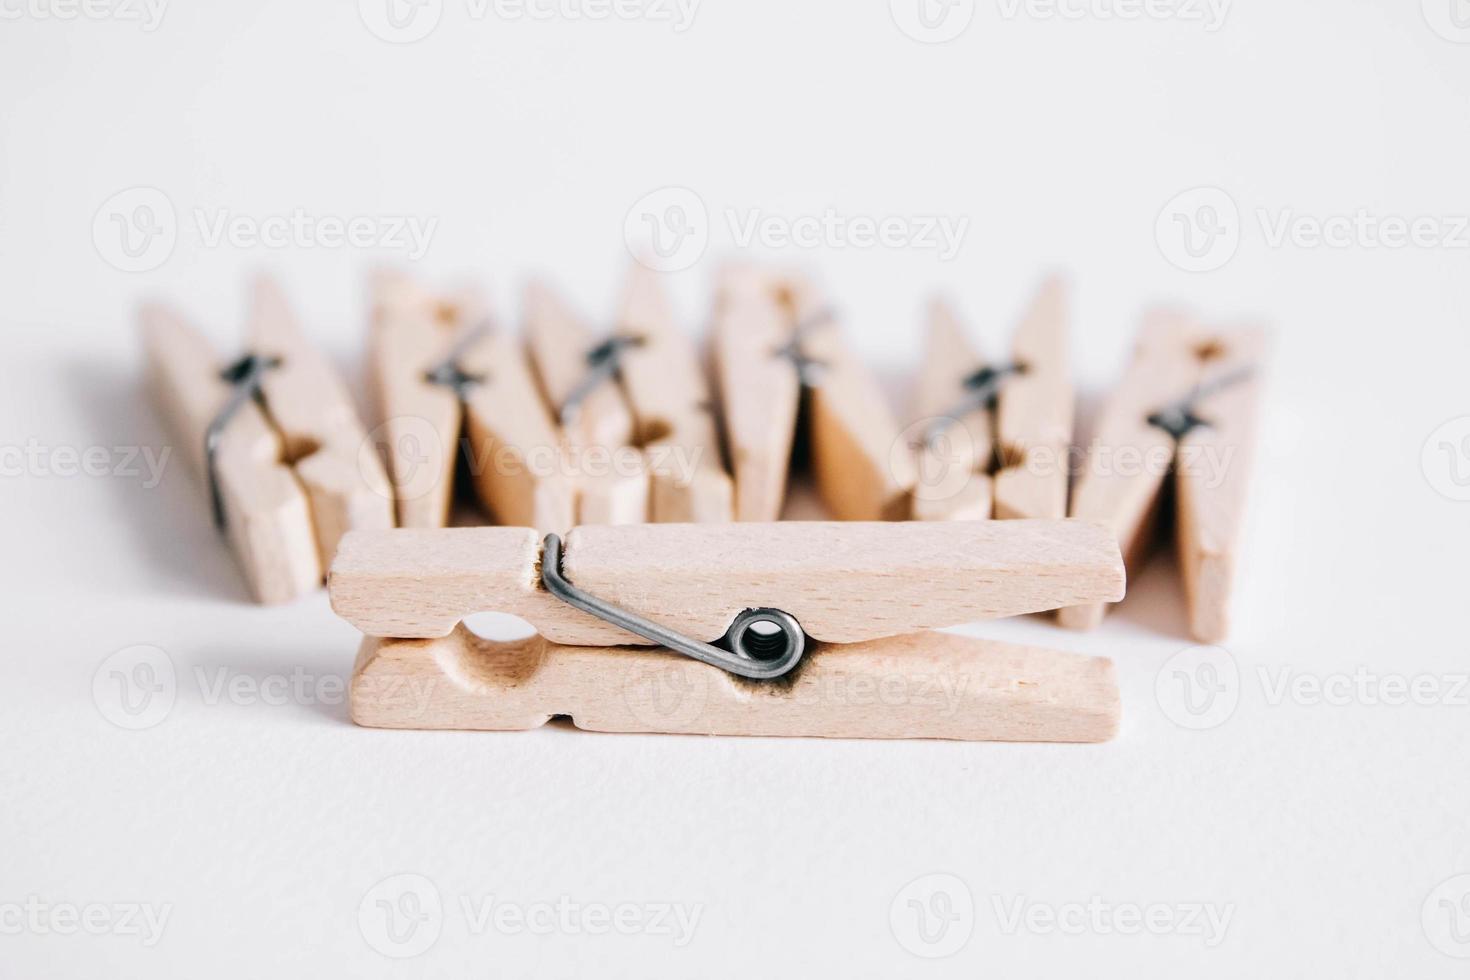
[(440, 371), (993, 439), (775, 338), (276, 438), (1186, 406), (579, 376), (748, 614), (673, 411)]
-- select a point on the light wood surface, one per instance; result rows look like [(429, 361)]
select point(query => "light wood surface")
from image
[(558, 341), (952, 481), (1034, 412), (672, 410), (419, 423), (517, 458), (844, 582), (863, 469), (922, 685), (268, 516), (1129, 459), (308, 405), (1213, 471), (758, 389)]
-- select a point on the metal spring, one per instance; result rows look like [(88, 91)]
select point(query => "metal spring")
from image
[(744, 650)]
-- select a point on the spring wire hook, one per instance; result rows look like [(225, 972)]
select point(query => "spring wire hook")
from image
[(744, 650)]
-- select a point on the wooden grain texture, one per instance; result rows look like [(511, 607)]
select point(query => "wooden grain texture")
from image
[(308, 405), (1034, 412), (1129, 459), (844, 582), (758, 390), (1212, 473), (922, 685), (673, 413), (419, 423), (951, 473), (517, 457), (558, 341), (861, 461), (269, 524)]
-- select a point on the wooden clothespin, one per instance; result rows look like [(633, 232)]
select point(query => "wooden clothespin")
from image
[(277, 440), (1187, 405), (818, 624), (439, 368), (673, 414), (994, 438), (774, 338), (578, 374)]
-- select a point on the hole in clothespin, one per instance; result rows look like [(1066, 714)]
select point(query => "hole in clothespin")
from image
[(499, 627), (1008, 455), (294, 450), (1210, 350), (447, 314)]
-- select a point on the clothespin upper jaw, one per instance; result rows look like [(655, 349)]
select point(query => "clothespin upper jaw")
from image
[(843, 582)]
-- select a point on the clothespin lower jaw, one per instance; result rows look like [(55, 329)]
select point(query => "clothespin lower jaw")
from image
[(1186, 408), (920, 685)]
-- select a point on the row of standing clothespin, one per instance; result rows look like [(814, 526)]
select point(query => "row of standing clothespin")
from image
[(291, 471)]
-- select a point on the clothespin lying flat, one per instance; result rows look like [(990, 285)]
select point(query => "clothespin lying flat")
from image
[(673, 413), (276, 439), (1187, 405), (995, 437), (438, 368), (578, 374), (790, 602), (773, 339)]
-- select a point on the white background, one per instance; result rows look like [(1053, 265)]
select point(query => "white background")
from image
[(1324, 831)]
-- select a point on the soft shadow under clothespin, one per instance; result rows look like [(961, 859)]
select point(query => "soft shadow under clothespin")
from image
[(440, 369), (773, 338), (277, 439), (993, 439), (1186, 406)]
